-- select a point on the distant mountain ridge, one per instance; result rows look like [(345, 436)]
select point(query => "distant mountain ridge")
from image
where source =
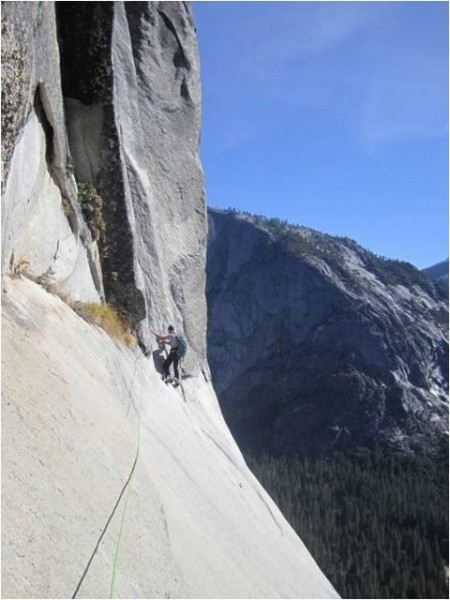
[(315, 343), (438, 271)]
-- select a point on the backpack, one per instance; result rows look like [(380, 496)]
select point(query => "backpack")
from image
[(182, 346)]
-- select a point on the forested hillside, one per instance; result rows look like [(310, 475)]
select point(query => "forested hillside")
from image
[(375, 520)]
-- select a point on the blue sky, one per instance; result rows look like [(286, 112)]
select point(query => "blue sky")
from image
[(333, 115)]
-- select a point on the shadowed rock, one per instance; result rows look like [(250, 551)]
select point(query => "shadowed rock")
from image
[(315, 343)]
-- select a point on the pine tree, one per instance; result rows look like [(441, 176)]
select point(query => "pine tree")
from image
[(376, 522)]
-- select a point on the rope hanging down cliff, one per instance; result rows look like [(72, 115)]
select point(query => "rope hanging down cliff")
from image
[(122, 522), (126, 486)]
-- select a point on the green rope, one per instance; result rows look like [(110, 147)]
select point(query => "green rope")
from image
[(122, 523)]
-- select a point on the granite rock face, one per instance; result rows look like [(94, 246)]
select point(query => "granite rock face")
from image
[(108, 94), (315, 343), (42, 222), (132, 91), (92, 438)]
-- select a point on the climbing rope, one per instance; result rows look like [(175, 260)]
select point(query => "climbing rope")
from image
[(122, 523), (97, 545), (126, 487), (129, 485)]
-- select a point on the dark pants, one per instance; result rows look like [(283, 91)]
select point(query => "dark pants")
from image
[(172, 358)]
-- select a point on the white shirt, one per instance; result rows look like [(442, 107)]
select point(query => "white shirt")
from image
[(172, 340)]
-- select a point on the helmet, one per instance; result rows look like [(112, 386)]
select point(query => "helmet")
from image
[(171, 328)]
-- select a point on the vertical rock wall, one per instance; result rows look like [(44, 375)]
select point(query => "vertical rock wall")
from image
[(42, 223), (132, 92), (315, 344), (108, 93)]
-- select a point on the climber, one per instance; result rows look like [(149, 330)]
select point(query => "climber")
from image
[(172, 339)]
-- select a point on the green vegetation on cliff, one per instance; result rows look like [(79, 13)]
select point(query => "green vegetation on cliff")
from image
[(92, 208)]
